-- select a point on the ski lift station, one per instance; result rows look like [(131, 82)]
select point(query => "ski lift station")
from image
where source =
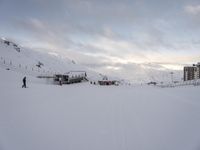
[(70, 77)]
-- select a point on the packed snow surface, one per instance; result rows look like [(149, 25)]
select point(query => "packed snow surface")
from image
[(91, 117)]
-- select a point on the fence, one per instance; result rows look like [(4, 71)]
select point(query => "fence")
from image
[(182, 83)]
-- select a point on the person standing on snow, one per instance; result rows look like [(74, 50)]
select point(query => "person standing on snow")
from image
[(60, 80), (24, 82)]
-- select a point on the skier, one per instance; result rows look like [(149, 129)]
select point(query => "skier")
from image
[(24, 82), (60, 80)]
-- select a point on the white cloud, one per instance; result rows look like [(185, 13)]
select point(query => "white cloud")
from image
[(193, 9)]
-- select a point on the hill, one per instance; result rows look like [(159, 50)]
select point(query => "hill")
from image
[(34, 63)]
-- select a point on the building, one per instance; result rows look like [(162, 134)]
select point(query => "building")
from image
[(108, 82), (70, 77), (151, 83), (192, 72)]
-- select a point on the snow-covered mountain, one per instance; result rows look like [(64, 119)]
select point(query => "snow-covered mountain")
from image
[(34, 63), (146, 72)]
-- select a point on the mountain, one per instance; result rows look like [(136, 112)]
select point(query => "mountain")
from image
[(147, 72), (35, 63)]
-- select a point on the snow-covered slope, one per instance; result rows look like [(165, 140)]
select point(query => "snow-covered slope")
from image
[(26, 61), (34, 63), (146, 72), (88, 117)]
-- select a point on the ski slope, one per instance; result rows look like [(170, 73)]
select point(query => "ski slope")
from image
[(26, 60), (90, 117)]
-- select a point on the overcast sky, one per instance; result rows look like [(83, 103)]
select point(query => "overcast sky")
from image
[(107, 35)]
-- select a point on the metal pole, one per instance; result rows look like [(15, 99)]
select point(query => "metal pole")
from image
[(172, 76)]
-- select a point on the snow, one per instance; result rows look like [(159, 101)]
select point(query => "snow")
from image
[(90, 117), (87, 117), (26, 60)]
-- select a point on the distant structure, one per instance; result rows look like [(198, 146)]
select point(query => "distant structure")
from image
[(151, 83), (192, 72), (70, 77), (108, 82)]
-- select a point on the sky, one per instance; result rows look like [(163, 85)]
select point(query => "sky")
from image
[(111, 36)]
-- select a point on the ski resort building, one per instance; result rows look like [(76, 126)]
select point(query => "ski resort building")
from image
[(192, 72), (70, 77), (107, 82)]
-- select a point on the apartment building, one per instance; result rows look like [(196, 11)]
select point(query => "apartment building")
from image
[(192, 72)]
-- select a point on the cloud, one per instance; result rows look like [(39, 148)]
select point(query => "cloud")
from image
[(106, 48), (42, 34), (192, 21), (193, 9)]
